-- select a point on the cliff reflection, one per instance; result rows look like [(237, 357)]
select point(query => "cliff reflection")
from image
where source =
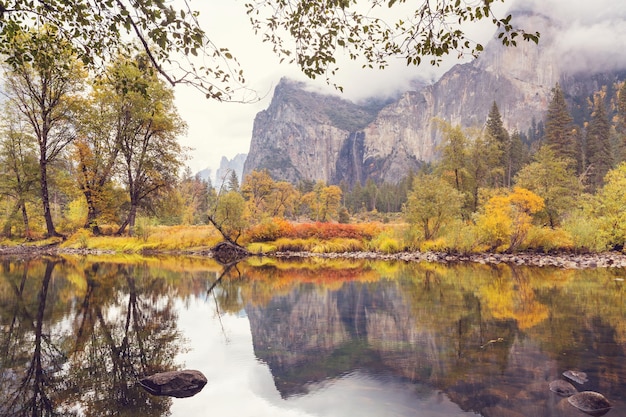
[(490, 337)]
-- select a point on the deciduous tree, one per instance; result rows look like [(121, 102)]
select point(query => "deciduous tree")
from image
[(167, 34), (19, 176), (149, 150), (230, 216), (611, 212), (321, 28), (323, 202), (432, 203), (506, 218), (552, 178), (257, 188), (43, 86)]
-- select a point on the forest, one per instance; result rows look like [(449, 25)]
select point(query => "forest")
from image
[(97, 154)]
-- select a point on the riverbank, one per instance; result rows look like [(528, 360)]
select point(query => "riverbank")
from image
[(562, 260), (556, 260)]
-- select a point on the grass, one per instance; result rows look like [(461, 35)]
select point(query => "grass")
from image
[(283, 236), (159, 238)]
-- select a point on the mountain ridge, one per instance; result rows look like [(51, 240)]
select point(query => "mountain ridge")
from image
[(305, 135)]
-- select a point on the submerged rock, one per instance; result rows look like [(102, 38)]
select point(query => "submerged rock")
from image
[(590, 402), (563, 388), (179, 384), (576, 376)]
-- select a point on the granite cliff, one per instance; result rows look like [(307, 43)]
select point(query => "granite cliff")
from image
[(304, 135)]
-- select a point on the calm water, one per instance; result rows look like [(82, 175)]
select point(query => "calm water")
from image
[(314, 338)]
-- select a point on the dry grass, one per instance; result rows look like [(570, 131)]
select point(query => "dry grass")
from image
[(157, 238)]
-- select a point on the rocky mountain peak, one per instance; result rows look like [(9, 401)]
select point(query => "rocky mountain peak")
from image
[(306, 135)]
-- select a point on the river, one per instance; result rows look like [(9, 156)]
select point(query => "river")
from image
[(314, 337)]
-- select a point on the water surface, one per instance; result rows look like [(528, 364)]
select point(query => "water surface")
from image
[(312, 338)]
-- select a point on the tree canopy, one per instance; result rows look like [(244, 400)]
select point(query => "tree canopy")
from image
[(170, 35), (308, 33)]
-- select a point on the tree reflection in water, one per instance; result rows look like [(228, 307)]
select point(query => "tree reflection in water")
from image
[(29, 374), (77, 333), (76, 340)]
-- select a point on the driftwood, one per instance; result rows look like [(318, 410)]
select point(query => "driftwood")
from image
[(227, 253)]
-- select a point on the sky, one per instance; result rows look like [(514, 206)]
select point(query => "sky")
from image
[(591, 32)]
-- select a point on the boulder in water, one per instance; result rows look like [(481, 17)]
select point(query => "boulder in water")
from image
[(179, 384), (576, 376), (590, 402), (563, 388)]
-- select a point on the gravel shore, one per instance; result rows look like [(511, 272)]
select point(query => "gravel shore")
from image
[(558, 260), (563, 260)]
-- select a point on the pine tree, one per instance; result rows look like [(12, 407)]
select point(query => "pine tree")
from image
[(559, 128), (598, 145), (517, 157), (500, 138), (233, 182)]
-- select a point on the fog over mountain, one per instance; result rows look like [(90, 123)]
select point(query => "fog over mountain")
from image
[(305, 135), (589, 36)]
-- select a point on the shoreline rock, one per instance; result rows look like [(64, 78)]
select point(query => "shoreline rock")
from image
[(563, 260)]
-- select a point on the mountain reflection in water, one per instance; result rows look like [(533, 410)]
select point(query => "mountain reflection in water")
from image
[(311, 338)]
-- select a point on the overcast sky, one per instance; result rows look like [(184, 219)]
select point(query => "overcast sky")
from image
[(224, 129)]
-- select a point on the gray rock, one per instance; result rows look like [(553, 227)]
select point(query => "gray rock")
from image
[(576, 376), (179, 384), (563, 388), (590, 402)]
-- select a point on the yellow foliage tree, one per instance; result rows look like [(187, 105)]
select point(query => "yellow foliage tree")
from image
[(323, 202), (257, 188)]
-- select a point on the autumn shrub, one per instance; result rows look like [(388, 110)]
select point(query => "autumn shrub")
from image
[(327, 231), (505, 220), (108, 229), (143, 227), (261, 247), (412, 236), (269, 230), (338, 245), (434, 245), (462, 237), (545, 239), (294, 245), (385, 242), (585, 233)]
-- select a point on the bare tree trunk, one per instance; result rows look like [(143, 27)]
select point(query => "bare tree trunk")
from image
[(92, 213), (25, 221), (129, 222), (45, 199)]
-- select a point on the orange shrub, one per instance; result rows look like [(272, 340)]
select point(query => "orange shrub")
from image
[(269, 230)]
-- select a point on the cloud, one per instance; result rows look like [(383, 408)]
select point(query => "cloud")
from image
[(586, 36)]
